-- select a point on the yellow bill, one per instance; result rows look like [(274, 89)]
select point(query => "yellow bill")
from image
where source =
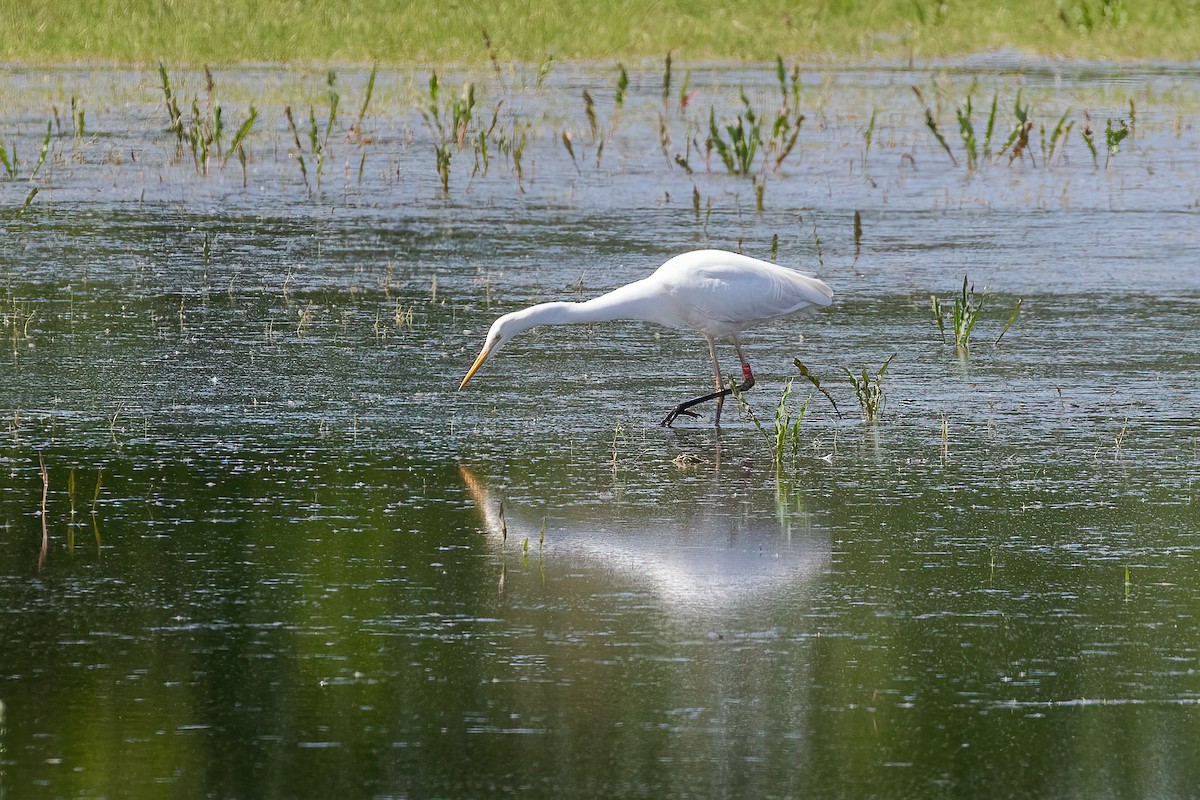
[(483, 355)]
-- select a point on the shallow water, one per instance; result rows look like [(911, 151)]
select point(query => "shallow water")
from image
[(284, 557)]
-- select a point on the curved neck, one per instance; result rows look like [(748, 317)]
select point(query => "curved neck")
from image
[(627, 302)]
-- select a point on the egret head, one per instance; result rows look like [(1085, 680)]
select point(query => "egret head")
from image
[(501, 333)]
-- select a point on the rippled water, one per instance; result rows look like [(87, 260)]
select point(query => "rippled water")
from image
[(281, 555)]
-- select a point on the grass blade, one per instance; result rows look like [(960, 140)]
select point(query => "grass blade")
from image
[(362, 112), (1016, 313), (816, 382), (240, 136), (45, 149)]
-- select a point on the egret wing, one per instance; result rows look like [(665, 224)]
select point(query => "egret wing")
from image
[(741, 291)]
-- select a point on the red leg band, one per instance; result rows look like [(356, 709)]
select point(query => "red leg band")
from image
[(746, 373)]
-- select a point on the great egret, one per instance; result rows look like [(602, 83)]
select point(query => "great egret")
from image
[(713, 292)]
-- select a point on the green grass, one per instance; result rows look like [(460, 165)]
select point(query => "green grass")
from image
[(869, 390), (234, 31), (784, 437), (964, 316)]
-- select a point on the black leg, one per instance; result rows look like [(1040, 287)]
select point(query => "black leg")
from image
[(682, 408)]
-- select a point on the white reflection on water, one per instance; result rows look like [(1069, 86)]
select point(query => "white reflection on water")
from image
[(709, 562)]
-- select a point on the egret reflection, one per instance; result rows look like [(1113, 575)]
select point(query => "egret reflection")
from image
[(710, 560)]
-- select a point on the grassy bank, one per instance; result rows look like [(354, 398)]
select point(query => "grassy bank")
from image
[(233, 31)]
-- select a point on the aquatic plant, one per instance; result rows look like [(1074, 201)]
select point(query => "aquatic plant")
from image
[(96, 496), (201, 134), (566, 140), (1089, 138), (599, 137), (991, 126), (966, 130), (362, 112), (685, 92), (964, 316), (807, 374), (1119, 439), (12, 164), (857, 233), (176, 118), (239, 141), (785, 130), (664, 139), (9, 162), (1016, 143), (287, 112), (708, 207), (619, 98), (203, 131), (1015, 313), (512, 143), (403, 317), (1113, 138), (784, 437), (666, 82), (618, 437), (869, 390), (684, 159), (1058, 140), (318, 142), (77, 119), (44, 151), (589, 110), (112, 423), (357, 132), (868, 135), (481, 146), (931, 124), (787, 426), (71, 492), (543, 72), (745, 134), (28, 201), (1018, 137), (458, 111), (443, 165), (461, 109)]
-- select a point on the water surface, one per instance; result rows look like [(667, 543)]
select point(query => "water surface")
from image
[(281, 556)]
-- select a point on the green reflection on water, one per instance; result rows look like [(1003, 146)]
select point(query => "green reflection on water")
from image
[(281, 624)]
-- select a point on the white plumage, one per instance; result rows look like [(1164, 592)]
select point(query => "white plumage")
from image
[(715, 293)]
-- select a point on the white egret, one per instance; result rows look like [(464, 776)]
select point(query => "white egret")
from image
[(713, 292)]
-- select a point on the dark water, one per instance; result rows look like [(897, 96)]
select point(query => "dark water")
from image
[(280, 555)]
